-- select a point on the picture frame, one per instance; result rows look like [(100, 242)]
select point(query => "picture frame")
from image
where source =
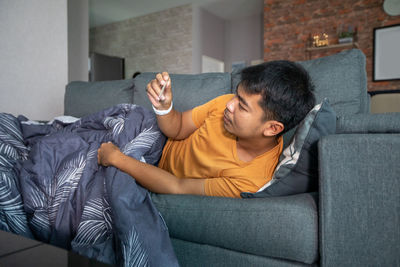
[(386, 49)]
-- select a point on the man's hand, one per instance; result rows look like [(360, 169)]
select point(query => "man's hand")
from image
[(163, 101), (174, 124), (151, 177), (107, 154)]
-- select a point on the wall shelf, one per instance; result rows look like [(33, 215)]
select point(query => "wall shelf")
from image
[(332, 46), (344, 45)]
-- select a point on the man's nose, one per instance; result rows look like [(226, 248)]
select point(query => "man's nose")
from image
[(231, 105)]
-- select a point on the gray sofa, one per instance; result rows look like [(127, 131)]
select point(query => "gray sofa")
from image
[(353, 219)]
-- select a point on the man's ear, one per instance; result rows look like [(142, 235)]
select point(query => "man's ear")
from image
[(273, 128)]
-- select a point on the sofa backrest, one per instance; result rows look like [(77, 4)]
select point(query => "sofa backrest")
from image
[(84, 98), (189, 90), (342, 79)]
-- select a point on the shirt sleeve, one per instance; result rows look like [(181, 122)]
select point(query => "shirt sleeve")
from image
[(228, 187), (200, 113)]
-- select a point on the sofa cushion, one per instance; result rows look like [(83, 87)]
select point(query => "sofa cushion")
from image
[(278, 227), (369, 123), (297, 170), (342, 79), (189, 90), (84, 98)]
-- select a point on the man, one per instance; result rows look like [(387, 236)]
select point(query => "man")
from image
[(228, 145)]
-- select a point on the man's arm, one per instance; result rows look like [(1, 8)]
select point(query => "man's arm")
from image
[(153, 178), (175, 124)]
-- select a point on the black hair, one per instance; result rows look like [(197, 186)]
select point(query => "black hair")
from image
[(136, 74), (286, 89)]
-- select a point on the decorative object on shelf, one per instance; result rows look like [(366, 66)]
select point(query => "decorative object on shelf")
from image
[(346, 35), (386, 53), (320, 40)]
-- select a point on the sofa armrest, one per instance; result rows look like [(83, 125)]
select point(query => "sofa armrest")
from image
[(369, 123), (360, 200)]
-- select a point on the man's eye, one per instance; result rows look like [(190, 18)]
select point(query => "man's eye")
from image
[(241, 107)]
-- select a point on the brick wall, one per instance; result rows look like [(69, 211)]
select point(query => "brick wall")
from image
[(155, 42), (289, 23)]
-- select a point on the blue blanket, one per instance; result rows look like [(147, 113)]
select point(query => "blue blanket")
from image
[(53, 190)]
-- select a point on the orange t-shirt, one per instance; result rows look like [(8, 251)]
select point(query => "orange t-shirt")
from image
[(210, 152)]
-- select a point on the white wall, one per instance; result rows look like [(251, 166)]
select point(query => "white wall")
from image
[(213, 36), (244, 39), (208, 35), (239, 39), (34, 55)]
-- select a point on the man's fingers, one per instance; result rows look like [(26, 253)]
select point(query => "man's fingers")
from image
[(98, 156), (153, 89), (165, 76), (160, 79), (153, 100)]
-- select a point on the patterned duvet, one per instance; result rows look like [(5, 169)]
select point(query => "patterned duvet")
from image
[(53, 190)]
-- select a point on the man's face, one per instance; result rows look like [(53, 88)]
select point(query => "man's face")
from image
[(243, 116)]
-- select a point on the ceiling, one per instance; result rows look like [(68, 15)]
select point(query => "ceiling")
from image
[(103, 12)]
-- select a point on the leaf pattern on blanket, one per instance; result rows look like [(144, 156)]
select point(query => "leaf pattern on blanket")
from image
[(132, 250), (12, 148), (11, 141), (144, 140), (40, 221), (57, 191), (115, 125), (66, 181), (96, 224), (12, 215)]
